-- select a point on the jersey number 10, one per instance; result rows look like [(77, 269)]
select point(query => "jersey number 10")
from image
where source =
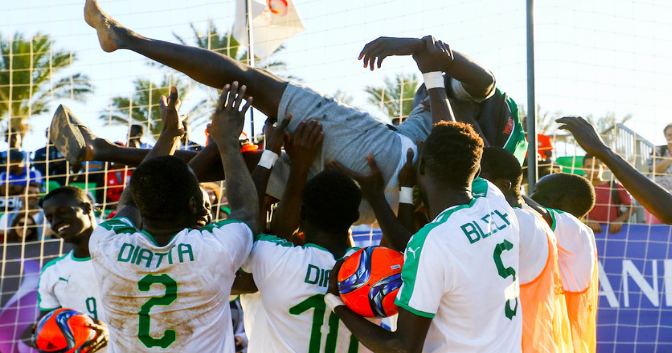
[(316, 302)]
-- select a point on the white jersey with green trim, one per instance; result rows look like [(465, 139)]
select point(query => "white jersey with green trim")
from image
[(289, 314), (70, 282), (172, 298), (461, 270)]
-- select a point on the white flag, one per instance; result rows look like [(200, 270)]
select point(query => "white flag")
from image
[(273, 22)]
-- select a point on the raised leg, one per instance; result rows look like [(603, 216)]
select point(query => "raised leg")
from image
[(202, 65)]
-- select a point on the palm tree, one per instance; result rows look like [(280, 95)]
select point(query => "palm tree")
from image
[(143, 106), (395, 98), (27, 78)]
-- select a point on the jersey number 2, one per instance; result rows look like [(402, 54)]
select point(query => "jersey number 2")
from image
[(505, 272), (316, 302), (143, 327)]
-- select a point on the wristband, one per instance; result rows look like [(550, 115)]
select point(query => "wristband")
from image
[(268, 159), (406, 195), (433, 79), (333, 301)]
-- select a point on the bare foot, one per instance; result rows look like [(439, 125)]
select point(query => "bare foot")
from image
[(110, 32)]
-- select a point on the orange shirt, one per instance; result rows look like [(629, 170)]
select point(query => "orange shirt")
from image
[(582, 313), (545, 323)]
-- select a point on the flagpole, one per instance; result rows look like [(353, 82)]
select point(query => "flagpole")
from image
[(250, 58)]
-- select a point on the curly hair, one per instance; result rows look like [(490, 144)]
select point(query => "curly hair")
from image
[(452, 153)]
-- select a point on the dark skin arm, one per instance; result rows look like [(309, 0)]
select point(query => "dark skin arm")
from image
[(165, 145), (409, 336), (227, 124), (373, 190), (260, 175), (243, 284), (302, 151), (476, 79), (653, 197), (407, 179)]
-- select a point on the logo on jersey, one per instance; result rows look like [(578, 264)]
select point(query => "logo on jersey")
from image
[(413, 251), (65, 280)]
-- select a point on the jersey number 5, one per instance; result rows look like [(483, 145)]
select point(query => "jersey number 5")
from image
[(316, 302), (511, 291), (143, 327)]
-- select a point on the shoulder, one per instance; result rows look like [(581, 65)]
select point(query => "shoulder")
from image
[(50, 265), (120, 225), (272, 240), (229, 225)]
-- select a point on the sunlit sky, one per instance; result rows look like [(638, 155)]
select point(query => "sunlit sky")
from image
[(593, 57)]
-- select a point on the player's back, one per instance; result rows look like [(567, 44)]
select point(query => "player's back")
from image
[(462, 270), (545, 322), (292, 281), (577, 258), (171, 298)]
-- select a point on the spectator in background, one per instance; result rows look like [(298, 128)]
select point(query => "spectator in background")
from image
[(23, 229), (135, 133), (14, 140), (17, 175), (30, 203), (186, 143), (660, 167), (609, 198), (57, 167), (116, 179)]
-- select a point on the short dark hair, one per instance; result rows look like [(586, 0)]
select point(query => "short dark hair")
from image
[(162, 187), (452, 152), (502, 164), (69, 190), (331, 201), (15, 155), (137, 127), (578, 189)]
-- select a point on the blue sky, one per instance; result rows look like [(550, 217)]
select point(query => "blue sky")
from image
[(593, 57)]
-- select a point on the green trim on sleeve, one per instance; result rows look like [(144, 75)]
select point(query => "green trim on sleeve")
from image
[(412, 254), (479, 187), (220, 224), (414, 311), (517, 143), (273, 239), (48, 310), (118, 226)]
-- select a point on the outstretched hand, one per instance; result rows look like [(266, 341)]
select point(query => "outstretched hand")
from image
[(383, 47), (584, 134), (371, 183), (229, 118), (305, 146), (276, 135), (436, 55), (172, 123), (102, 336)]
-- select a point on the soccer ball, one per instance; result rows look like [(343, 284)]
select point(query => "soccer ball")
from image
[(369, 280), (64, 331)]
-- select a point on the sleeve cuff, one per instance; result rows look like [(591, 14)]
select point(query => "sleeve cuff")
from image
[(414, 311)]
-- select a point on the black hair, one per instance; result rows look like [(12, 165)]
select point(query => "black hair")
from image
[(452, 153), (577, 189), (331, 201), (502, 164), (137, 127), (15, 155), (162, 187), (71, 191)]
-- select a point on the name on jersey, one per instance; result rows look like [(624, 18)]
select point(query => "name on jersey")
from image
[(491, 222), (318, 276), (140, 256)]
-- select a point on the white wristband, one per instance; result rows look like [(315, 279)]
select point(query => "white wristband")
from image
[(406, 195), (333, 301), (433, 79), (268, 159)]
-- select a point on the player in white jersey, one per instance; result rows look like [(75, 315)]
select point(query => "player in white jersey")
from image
[(165, 286), (460, 282), (568, 198), (69, 281)]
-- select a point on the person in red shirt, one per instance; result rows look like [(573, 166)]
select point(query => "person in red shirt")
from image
[(609, 198), (544, 147)]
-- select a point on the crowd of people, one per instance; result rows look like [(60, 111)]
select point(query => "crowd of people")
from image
[(487, 267)]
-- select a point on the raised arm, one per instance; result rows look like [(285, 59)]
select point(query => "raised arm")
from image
[(275, 137), (476, 79), (653, 197), (302, 151), (227, 124), (165, 145), (431, 61), (373, 190)]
